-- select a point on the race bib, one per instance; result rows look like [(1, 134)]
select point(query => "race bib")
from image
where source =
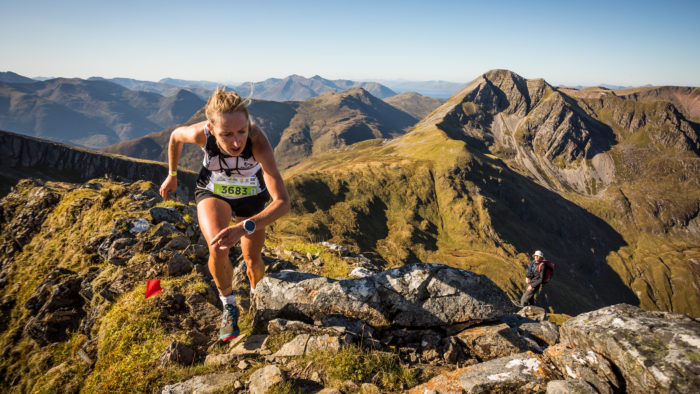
[(236, 187)]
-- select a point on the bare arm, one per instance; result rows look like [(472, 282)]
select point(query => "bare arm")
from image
[(193, 134)]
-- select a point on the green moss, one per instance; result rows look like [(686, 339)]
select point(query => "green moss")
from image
[(283, 388), (353, 363), (275, 341), (693, 356), (333, 265)]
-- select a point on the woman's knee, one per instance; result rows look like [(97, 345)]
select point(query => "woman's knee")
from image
[(217, 253)]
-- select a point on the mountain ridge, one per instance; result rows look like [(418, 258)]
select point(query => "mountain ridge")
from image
[(89, 113), (298, 88)]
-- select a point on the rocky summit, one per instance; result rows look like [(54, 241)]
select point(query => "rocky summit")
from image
[(76, 258)]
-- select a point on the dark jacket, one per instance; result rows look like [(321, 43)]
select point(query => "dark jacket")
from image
[(534, 272)]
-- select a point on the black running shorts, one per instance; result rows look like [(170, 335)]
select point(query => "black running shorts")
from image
[(241, 207)]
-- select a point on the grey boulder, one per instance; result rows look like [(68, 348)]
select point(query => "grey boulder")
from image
[(518, 373), (416, 295), (654, 351), (202, 384)]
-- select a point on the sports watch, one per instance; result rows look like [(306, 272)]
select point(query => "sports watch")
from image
[(249, 226)]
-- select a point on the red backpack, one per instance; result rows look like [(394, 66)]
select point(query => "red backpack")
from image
[(548, 268)]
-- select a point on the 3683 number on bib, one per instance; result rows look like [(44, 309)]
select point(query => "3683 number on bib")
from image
[(234, 190)]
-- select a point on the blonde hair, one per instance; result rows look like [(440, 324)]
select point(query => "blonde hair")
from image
[(223, 102)]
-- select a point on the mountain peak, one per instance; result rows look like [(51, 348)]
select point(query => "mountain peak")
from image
[(500, 75)]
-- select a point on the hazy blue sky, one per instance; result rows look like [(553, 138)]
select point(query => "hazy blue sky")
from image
[(565, 42)]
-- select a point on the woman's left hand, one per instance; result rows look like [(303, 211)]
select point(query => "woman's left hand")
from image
[(227, 237)]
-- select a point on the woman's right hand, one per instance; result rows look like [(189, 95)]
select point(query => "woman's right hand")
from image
[(168, 186)]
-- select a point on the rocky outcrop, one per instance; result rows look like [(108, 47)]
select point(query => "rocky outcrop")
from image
[(418, 295), (22, 157), (263, 379), (487, 342), (586, 365), (21, 218), (202, 384), (654, 351), (519, 373), (55, 308)]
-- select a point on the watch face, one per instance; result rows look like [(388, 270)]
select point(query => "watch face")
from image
[(249, 226)]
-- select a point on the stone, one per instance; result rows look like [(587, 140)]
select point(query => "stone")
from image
[(202, 384), (197, 338), (492, 341), (350, 387), (304, 344), (179, 265), (139, 226), (342, 250), (176, 353), (452, 350), (243, 365), (654, 351), (520, 372), (164, 229), (219, 359), (415, 295), (277, 326), (199, 252), (533, 312), (237, 385), (293, 348), (86, 359), (180, 242), (360, 272), (118, 286), (324, 342), (169, 215), (545, 333), (88, 352), (583, 364), (569, 387), (171, 303), (264, 378), (369, 388), (251, 346), (346, 325), (56, 308), (120, 251), (119, 231)]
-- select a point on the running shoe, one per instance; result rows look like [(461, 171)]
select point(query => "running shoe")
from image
[(229, 323)]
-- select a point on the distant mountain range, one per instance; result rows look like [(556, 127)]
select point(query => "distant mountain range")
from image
[(89, 113), (10, 77), (291, 88), (297, 130), (298, 88)]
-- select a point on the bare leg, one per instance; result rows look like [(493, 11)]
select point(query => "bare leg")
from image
[(215, 215), (251, 246)]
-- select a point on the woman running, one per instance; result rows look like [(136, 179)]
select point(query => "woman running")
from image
[(238, 177)]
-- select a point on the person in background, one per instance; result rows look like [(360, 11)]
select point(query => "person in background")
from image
[(539, 270)]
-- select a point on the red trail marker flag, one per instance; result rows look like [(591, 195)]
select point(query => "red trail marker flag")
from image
[(152, 288)]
